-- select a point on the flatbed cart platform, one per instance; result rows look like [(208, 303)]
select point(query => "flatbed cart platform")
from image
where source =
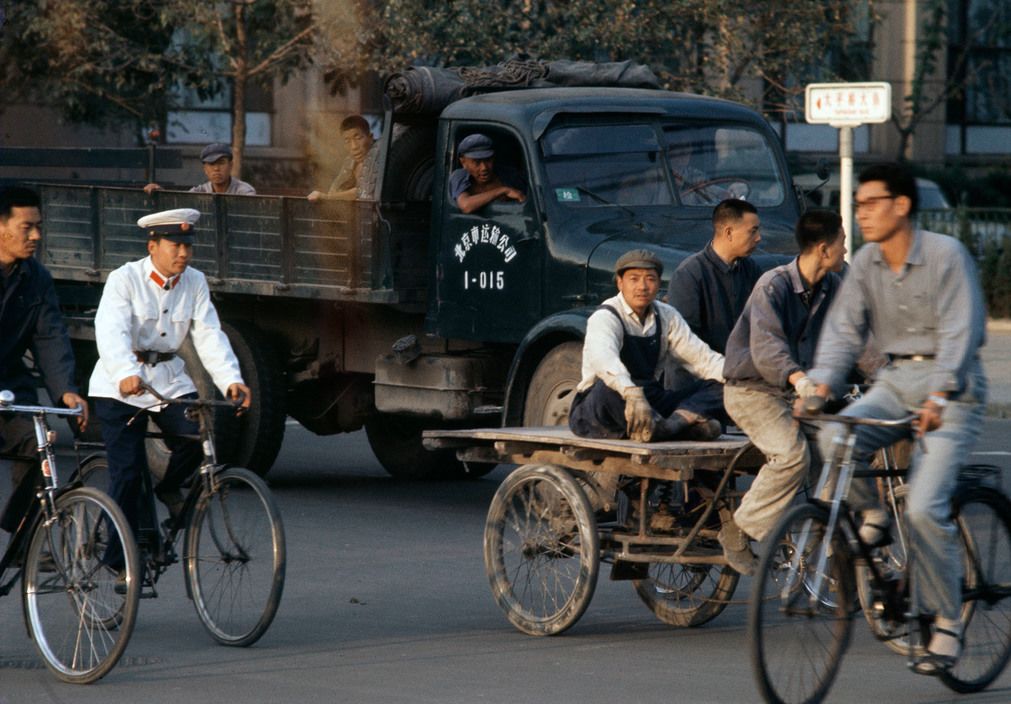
[(651, 510)]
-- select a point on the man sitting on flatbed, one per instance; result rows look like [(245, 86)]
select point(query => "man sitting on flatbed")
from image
[(629, 341)]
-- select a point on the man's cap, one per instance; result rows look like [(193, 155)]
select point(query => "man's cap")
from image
[(476, 146), (176, 225), (213, 152), (638, 259)]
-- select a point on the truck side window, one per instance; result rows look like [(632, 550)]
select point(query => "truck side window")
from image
[(490, 170)]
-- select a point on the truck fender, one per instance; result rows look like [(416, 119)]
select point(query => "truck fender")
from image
[(549, 334)]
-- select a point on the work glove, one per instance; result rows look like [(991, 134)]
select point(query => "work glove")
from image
[(638, 413), (805, 387)]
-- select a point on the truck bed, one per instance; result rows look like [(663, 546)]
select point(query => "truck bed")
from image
[(257, 245)]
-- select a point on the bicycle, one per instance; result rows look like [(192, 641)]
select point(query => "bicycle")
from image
[(234, 552), (78, 565), (807, 589)]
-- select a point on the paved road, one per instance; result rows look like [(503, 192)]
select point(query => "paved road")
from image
[(386, 601)]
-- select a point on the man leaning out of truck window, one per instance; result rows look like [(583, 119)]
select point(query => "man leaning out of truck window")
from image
[(217, 161), (477, 184)]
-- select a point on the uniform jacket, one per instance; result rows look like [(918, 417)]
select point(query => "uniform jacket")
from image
[(136, 313)]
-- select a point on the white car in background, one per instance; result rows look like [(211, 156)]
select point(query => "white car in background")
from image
[(931, 196)]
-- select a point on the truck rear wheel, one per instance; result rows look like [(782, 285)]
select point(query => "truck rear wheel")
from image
[(396, 442), (552, 386), (253, 440)]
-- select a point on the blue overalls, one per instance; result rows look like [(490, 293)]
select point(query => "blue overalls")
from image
[(599, 412)]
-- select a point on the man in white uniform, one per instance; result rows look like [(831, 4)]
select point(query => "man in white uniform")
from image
[(148, 308)]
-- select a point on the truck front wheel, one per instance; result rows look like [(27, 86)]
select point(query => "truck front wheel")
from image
[(553, 385), (396, 442)]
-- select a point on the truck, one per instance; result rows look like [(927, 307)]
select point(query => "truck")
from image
[(402, 313)]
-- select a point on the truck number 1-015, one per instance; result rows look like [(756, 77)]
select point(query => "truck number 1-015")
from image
[(484, 280)]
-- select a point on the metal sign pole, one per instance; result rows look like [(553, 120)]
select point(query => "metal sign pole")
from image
[(845, 106), (846, 185)]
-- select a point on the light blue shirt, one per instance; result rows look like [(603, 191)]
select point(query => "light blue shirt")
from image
[(933, 307)]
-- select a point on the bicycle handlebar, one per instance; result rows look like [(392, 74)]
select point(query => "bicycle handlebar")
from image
[(856, 420), (191, 401), (7, 405)]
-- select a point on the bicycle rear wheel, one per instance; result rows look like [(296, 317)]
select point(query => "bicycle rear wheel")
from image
[(235, 558), (799, 621), (983, 517), (79, 623)]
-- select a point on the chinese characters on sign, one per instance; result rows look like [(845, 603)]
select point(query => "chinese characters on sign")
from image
[(848, 103)]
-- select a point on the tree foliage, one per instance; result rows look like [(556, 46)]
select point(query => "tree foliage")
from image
[(124, 61), (716, 47)]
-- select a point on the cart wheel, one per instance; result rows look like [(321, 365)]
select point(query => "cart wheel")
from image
[(541, 549), (686, 595)]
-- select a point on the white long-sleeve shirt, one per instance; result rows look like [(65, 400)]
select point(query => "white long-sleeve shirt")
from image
[(678, 345), (137, 313)]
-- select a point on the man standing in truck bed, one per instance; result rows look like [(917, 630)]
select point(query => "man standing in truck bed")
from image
[(30, 318), (630, 340), (148, 308), (217, 161), (709, 289)]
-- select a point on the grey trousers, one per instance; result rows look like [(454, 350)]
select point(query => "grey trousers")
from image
[(900, 387), (787, 445)]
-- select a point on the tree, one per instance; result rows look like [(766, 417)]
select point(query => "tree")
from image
[(97, 61), (121, 61), (717, 47), (232, 44)]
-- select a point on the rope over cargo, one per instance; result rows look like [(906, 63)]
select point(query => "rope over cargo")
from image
[(428, 90)]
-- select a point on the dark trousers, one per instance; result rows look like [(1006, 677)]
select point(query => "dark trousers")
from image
[(599, 412), (124, 447), (17, 437)]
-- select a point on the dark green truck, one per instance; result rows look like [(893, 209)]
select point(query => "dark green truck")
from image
[(404, 314)]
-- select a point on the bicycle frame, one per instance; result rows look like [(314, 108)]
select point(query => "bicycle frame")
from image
[(840, 462), (46, 503)]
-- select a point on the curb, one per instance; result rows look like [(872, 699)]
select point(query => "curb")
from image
[(998, 325), (998, 410)]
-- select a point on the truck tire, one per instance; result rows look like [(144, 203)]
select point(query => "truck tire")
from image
[(253, 440), (396, 442), (552, 386), (412, 159)]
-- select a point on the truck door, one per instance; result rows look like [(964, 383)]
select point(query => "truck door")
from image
[(488, 263)]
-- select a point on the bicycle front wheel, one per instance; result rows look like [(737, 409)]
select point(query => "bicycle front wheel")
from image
[(235, 557), (541, 549), (79, 616), (983, 517), (800, 616)]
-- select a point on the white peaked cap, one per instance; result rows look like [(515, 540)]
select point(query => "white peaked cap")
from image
[(178, 216)]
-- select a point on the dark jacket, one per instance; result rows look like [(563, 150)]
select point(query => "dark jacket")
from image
[(30, 319), (777, 333), (710, 294)]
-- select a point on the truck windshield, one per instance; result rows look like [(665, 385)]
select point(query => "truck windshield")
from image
[(689, 165), (613, 164), (711, 163)]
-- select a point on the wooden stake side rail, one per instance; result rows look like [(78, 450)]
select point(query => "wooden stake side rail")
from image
[(672, 461)]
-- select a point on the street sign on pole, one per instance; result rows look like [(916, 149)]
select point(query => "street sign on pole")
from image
[(845, 106)]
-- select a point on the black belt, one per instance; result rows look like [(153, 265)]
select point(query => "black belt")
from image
[(911, 357), (153, 357)]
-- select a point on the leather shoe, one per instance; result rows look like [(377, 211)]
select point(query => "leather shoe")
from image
[(736, 549), (705, 431), (670, 428)]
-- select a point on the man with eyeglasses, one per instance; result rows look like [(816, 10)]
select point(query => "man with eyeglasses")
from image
[(919, 294)]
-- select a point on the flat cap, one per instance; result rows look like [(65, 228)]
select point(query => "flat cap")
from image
[(638, 259), (476, 146), (176, 225), (213, 152)]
